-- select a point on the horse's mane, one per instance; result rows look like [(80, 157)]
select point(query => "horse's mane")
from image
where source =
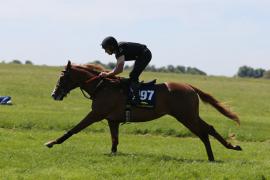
[(91, 67), (94, 68)]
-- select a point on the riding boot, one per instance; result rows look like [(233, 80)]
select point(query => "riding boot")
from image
[(134, 86)]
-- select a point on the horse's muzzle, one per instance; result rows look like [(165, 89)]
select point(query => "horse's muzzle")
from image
[(57, 97)]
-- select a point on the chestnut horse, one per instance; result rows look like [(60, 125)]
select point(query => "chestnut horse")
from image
[(109, 100)]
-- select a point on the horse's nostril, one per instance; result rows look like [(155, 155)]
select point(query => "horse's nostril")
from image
[(53, 96)]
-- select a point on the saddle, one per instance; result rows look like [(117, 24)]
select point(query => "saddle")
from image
[(147, 94)]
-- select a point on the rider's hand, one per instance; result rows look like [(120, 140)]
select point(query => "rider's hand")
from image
[(103, 74)]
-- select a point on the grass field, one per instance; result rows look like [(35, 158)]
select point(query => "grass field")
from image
[(161, 149)]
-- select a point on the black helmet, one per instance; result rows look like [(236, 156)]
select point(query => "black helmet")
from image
[(109, 41)]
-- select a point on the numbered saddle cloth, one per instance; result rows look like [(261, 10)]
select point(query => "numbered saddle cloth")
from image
[(147, 93)]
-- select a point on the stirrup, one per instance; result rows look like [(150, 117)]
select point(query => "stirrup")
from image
[(127, 114), (135, 100)]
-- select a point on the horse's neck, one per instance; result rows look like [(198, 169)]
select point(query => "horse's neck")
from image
[(83, 75)]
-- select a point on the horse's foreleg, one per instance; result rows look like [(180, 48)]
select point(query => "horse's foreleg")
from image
[(91, 118), (114, 128), (59, 140)]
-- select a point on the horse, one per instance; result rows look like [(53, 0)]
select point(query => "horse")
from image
[(179, 100)]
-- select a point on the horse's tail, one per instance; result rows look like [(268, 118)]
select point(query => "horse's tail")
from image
[(207, 98)]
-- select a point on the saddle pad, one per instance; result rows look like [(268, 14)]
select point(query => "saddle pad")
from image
[(147, 93)]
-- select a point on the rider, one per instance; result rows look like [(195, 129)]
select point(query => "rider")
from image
[(127, 51)]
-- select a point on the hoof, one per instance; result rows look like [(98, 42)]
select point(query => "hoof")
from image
[(49, 144), (113, 154), (237, 148)]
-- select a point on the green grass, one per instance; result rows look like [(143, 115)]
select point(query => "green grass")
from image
[(160, 149), (140, 157)]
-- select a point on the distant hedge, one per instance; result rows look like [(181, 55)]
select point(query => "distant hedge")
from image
[(16, 61), (152, 68), (246, 71)]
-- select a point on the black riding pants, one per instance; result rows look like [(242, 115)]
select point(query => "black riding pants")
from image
[(140, 64)]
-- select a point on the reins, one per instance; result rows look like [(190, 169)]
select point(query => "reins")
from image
[(85, 95), (97, 86), (91, 79)]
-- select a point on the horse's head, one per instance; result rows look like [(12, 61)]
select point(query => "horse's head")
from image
[(64, 84), (75, 76)]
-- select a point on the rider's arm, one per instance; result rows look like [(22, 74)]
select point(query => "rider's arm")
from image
[(119, 66)]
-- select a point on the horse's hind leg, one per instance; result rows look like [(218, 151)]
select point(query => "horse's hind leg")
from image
[(189, 117), (206, 142), (200, 131), (215, 134), (194, 125)]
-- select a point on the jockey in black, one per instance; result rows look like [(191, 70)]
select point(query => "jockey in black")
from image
[(127, 51)]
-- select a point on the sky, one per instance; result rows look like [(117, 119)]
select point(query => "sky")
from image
[(215, 36)]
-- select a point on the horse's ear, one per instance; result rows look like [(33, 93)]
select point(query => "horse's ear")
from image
[(68, 66)]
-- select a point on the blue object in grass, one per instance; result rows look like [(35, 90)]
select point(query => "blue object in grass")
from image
[(5, 100)]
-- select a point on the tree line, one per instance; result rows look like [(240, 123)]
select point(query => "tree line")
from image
[(247, 71), (243, 71), (153, 68), (16, 61)]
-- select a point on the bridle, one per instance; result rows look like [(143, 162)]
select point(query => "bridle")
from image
[(89, 95)]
